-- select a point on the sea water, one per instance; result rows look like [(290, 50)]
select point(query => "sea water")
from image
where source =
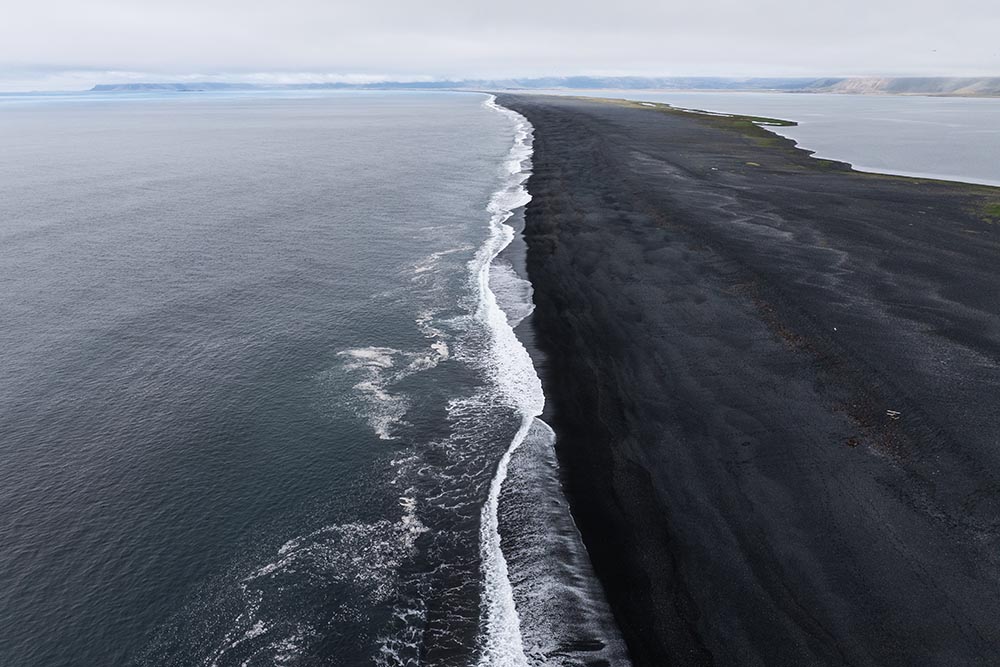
[(265, 396)]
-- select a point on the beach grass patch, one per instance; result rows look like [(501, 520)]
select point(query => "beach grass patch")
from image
[(991, 211), (756, 129)]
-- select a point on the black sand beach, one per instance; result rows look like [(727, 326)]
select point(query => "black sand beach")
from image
[(727, 323)]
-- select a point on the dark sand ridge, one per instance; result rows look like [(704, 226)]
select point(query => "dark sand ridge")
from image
[(726, 322)]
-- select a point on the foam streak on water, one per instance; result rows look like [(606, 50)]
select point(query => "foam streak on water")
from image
[(515, 377)]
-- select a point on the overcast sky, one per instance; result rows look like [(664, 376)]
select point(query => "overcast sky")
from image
[(73, 43)]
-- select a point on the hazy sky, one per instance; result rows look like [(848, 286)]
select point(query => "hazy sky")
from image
[(74, 43)]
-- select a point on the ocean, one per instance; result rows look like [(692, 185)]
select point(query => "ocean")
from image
[(267, 388)]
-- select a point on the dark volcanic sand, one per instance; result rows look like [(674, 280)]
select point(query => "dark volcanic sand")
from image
[(723, 341)]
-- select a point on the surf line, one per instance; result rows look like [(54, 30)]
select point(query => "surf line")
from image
[(514, 374)]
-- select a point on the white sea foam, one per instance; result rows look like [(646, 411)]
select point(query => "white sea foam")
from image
[(514, 375), (338, 548), (382, 408), (565, 617), (364, 556), (430, 262), (379, 357), (513, 293)]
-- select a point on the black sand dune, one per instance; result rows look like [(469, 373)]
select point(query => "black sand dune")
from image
[(727, 323)]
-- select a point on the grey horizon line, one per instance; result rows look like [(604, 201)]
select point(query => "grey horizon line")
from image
[(553, 78), (981, 85)]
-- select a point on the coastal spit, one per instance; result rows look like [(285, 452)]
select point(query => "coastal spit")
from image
[(774, 382)]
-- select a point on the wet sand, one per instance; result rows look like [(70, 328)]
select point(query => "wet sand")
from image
[(726, 324)]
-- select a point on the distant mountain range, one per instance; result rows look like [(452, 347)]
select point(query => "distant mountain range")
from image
[(983, 86)]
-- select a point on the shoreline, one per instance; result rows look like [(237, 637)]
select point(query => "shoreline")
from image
[(726, 322), (515, 376), (535, 566)]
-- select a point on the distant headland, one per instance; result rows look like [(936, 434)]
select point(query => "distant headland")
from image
[(954, 86)]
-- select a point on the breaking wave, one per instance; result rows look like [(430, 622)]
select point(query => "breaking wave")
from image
[(514, 374)]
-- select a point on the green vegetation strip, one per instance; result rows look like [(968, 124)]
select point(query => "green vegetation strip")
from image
[(992, 211)]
